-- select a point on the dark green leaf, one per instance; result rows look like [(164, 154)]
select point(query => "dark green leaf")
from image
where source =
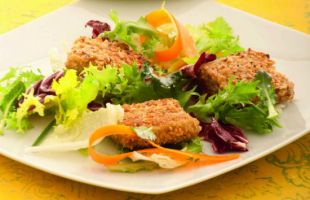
[(193, 146), (267, 95)]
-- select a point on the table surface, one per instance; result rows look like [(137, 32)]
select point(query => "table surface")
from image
[(283, 175)]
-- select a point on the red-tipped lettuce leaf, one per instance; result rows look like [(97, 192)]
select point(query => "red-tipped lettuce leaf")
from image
[(224, 137), (98, 27), (193, 70)]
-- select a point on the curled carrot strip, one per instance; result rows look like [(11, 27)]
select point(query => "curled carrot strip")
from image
[(103, 132), (183, 42), (185, 157), (196, 157)]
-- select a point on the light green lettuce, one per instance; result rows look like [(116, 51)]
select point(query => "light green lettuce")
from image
[(130, 33), (12, 85), (215, 37), (72, 96), (30, 105)]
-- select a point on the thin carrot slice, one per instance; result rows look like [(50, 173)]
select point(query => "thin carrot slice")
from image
[(103, 132), (196, 157), (181, 156), (183, 42)]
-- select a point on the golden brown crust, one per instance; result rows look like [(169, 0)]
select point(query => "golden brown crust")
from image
[(243, 66), (100, 53), (170, 123)]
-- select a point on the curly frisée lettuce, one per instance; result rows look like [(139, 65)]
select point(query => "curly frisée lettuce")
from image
[(31, 104), (12, 85), (262, 116), (215, 37), (236, 105), (129, 84), (72, 96), (217, 105)]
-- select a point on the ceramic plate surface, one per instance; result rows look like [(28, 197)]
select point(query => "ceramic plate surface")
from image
[(31, 43)]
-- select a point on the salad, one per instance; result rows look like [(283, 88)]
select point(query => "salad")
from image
[(155, 88)]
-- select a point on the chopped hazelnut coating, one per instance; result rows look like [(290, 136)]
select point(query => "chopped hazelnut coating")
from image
[(169, 122), (243, 66), (100, 52)]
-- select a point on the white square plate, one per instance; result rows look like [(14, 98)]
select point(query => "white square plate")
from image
[(32, 42)]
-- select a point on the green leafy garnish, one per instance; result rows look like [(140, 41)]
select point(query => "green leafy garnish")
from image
[(130, 32), (234, 105), (29, 106), (72, 96), (132, 86), (129, 84), (262, 116), (251, 118), (215, 37), (267, 95), (12, 85), (7, 105), (193, 146), (217, 105), (107, 78)]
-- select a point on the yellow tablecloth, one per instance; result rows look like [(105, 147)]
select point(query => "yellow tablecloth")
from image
[(283, 175)]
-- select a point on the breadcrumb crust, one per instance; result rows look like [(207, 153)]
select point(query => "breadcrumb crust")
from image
[(169, 122), (243, 66)]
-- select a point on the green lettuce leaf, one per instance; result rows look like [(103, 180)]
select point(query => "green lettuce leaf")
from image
[(29, 106), (72, 96), (267, 95), (217, 105), (7, 105), (12, 85), (262, 116), (234, 105), (193, 146), (215, 37), (108, 77), (129, 84), (251, 118), (130, 32)]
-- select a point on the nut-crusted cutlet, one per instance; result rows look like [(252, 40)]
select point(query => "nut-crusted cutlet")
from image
[(169, 122), (100, 52), (243, 66)]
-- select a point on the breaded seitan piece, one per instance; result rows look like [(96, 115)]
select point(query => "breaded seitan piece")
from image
[(243, 66), (100, 52), (169, 122)]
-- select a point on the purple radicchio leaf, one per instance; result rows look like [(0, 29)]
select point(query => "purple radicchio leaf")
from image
[(193, 70), (98, 27), (46, 84), (94, 106), (224, 137), (203, 58), (42, 88)]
